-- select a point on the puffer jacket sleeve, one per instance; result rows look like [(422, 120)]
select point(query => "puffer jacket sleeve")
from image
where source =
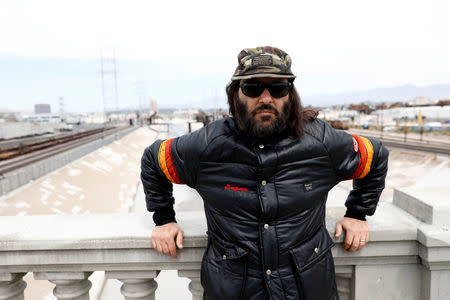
[(165, 162), (363, 159)]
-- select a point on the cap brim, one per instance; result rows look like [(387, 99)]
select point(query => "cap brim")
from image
[(261, 75)]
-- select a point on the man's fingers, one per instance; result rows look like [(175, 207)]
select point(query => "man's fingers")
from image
[(348, 240), (355, 243), (158, 247), (180, 239), (172, 248), (166, 238), (338, 230), (362, 242), (365, 238), (165, 248)]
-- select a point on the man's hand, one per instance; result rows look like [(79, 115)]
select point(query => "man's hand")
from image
[(356, 233), (164, 236)]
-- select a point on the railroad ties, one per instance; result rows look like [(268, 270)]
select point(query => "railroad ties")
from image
[(21, 152)]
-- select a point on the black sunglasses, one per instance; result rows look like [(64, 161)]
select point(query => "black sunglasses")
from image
[(255, 89)]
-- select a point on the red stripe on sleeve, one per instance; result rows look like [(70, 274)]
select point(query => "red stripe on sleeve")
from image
[(362, 152), (170, 164)]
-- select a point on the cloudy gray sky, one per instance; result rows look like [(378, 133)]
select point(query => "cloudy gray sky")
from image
[(182, 53)]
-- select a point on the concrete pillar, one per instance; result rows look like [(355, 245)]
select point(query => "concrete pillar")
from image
[(195, 287), (12, 286), (435, 284), (137, 285), (344, 284), (388, 281), (68, 285)]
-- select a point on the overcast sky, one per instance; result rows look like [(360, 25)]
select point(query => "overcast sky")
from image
[(183, 53)]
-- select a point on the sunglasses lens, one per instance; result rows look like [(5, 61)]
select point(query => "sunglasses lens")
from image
[(279, 90), (252, 89), (255, 89)]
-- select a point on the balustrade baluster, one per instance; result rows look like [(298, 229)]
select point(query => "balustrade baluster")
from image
[(137, 285), (68, 285), (344, 286), (345, 282), (12, 286), (195, 287)]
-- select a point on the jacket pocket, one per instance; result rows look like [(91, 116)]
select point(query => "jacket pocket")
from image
[(224, 270), (314, 267)]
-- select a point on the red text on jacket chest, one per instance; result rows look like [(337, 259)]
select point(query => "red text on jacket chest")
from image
[(235, 188)]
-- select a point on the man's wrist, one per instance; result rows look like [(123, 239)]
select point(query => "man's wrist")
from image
[(355, 214), (163, 216)]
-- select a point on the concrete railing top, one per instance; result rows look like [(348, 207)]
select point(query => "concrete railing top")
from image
[(118, 231), (94, 231), (128, 236)]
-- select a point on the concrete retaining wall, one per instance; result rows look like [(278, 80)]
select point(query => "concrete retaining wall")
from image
[(15, 179), (11, 130)]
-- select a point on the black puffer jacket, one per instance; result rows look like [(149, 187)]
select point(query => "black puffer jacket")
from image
[(265, 204)]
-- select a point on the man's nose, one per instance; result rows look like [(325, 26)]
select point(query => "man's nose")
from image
[(266, 97)]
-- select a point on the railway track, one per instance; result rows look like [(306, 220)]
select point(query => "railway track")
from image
[(16, 147), (53, 146), (412, 143)]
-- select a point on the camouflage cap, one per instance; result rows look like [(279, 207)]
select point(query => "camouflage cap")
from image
[(263, 62)]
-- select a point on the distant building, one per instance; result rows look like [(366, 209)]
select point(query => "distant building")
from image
[(42, 109), (397, 104), (382, 106), (43, 118), (361, 108), (8, 117), (429, 113), (153, 107), (443, 102), (185, 113), (420, 101)]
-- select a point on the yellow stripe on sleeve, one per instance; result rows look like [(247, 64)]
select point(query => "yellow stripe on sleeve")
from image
[(369, 148), (162, 160)]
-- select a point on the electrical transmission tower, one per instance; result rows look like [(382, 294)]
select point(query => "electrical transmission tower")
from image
[(142, 94), (61, 109), (109, 81)]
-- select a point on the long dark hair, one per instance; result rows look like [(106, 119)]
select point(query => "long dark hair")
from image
[(297, 117)]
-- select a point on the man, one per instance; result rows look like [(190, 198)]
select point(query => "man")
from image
[(264, 175)]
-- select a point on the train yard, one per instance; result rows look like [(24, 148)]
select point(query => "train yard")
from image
[(18, 153), (435, 144)]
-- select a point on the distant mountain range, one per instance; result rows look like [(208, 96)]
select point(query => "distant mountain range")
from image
[(393, 94)]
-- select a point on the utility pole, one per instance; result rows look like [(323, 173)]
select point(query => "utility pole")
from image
[(61, 109), (142, 94), (109, 81)]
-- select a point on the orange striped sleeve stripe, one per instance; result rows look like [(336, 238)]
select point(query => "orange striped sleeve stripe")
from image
[(166, 161), (365, 153), (369, 148), (162, 160), (170, 164)]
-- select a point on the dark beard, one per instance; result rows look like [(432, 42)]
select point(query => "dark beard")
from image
[(247, 122)]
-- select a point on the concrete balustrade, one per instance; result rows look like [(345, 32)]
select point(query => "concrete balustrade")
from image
[(137, 285), (195, 287), (405, 258), (68, 285), (12, 286)]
